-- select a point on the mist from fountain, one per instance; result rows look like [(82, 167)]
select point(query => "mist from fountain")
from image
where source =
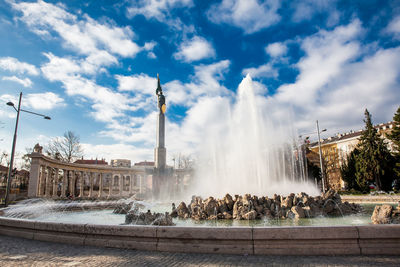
[(250, 152)]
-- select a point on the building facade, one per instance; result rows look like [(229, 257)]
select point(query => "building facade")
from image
[(335, 150), (125, 163)]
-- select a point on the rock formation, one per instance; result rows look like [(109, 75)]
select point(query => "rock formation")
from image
[(148, 218), (386, 214), (135, 216), (249, 207)]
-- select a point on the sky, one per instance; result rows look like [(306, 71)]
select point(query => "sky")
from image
[(92, 65)]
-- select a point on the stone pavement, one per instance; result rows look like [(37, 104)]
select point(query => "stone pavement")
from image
[(23, 252)]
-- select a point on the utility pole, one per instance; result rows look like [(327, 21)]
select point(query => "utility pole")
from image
[(12, 153), (320, 159), (15, 141)]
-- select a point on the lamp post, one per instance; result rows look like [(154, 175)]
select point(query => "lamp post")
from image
[(320, 153), (320, 157), (14, 142)]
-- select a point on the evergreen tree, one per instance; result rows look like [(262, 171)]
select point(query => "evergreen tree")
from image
[(348, 171), (394, 136), (374, 163)]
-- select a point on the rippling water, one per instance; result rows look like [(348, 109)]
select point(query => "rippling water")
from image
[(107, 217)]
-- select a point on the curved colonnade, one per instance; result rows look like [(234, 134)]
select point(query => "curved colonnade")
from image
[(55, 179)]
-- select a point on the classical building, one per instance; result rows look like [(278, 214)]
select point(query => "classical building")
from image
[(121, 163), (335, 150), (91, 161)]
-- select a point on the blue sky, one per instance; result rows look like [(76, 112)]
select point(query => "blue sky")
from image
[(91, 66)]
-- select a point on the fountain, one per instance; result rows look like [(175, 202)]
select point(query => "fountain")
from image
[(249, 153)]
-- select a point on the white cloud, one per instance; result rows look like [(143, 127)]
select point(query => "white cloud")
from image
[(337, 80), (205, 82), (250, 15), (106, 103), (6, 111), (263, 71), (158, 10), (151, 55), (149, 46), (276, 49), (117, 151), (326, 54), (44, 101), (394, 27), (25, 82), (86, 36), (195, 49), (14, 65), (140, 83), (306, 9), (36, 101)]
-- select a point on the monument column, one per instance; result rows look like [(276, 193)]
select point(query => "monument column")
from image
[(160, 152)]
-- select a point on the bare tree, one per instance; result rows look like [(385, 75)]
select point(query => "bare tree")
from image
[(25, 159), (4, 159), (66, 148), (182, 161)]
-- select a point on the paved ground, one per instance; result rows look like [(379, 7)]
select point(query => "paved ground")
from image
[(371, 198), (22, 252)]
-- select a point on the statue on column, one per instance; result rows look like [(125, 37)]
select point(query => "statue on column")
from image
[(161, 97), (38, 149)]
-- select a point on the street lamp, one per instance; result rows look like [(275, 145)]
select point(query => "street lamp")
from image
[(14, 142), (320, 152), (320, 157)]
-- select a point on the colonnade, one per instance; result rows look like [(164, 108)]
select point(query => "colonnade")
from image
[(54, 179)]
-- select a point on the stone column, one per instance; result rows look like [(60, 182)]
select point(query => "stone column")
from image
[(101, 185), (48, 181), (34, 178), (110, 186), (81, 184), (140, 183), (130, 184), (91, 177), (64, 183), (72, 188), (55, 183), (40, 187), (121, 188)]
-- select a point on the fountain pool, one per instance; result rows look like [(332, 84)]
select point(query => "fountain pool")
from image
[(101, 213)]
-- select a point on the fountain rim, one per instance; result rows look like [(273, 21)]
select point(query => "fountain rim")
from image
[(282, 240)]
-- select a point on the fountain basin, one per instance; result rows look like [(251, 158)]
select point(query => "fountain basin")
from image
[(300, 240)]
